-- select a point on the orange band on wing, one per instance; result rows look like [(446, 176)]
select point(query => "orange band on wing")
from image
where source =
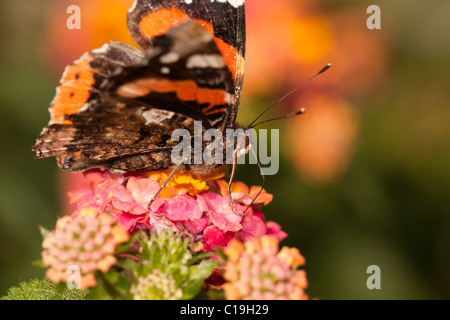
[(159, 22), (185, 90), (212, 96), (208, 113), (235, 61), (74, 90)]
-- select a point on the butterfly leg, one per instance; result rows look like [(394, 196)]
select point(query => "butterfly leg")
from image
[(164, 184), (233, 170)]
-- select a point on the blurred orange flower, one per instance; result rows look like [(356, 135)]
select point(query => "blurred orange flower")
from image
[(101, 22), (321, 141), (360, 56), (287, 39), (287, 43)]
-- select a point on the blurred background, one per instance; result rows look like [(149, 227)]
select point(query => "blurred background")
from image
[(364, 174)]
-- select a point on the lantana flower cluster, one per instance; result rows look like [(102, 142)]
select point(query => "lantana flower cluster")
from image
[(115, 214), (257, 270), (189, 205), (87, 243)]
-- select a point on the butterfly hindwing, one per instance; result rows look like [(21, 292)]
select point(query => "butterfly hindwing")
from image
[(184, 62), (225, 19)]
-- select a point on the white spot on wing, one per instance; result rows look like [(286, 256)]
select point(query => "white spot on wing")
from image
[(170, 57), (157, 115), (205, 61), (165, 70), (102, 49), (60, 139), (84, 107), (133, 6), (56, 149), (234, 3)]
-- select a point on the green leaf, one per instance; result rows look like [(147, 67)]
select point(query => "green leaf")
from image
[(126, 263), (215, 295), (221, 254), (192, 289), (124, 248), (202, 270), (109, 289), (178, 255), (60, 287), (43, 290), (98, 293), (169, 253), (145, 250), (202, 255), (180, 275), (123, 284), (155, 258)]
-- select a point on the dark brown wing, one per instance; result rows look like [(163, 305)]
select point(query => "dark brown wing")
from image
[(132, 107), (185, 73), (115, 136)]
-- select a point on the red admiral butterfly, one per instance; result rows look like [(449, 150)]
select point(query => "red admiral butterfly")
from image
[(117, 106)]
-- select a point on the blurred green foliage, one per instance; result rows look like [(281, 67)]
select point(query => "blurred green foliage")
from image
[(391, 209)]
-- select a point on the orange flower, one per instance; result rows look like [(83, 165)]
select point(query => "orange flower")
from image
[(234, 249), (360, 54), (264, 197), (296, 45), (321, 142), (101, 22), (239, 190), (292, 257), (303, 40), (181, 183)]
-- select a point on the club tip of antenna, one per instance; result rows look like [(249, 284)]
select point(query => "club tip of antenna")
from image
[(324, 68), (299, 112)]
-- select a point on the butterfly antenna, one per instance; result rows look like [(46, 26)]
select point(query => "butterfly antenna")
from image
[(301, 111), (287, 95), (230, 182)]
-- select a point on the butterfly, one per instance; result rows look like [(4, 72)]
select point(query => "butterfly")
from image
[(117, 106)]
